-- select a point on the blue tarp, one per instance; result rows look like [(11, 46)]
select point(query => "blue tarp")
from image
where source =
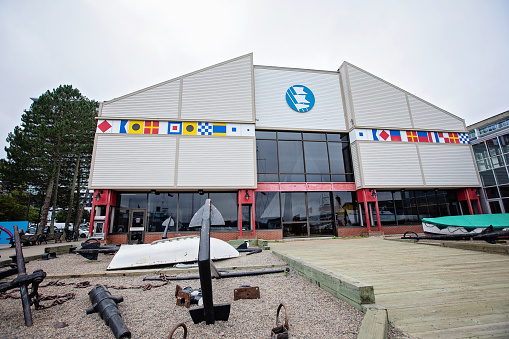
[(7, 229)]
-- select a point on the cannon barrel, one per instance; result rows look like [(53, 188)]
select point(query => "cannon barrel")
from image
[(106, 305)]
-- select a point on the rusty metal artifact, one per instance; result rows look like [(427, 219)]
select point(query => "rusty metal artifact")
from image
[(170, 336), (23, 281), (280, 331), (246, 292), (106, 305)]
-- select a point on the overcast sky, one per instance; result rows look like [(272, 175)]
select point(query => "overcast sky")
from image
[(454, 54)]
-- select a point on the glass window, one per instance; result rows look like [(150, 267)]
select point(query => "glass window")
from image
[(289, 136), (296, 229), (267, 210), (497, 161), (121, 223), (504, 142), (346, 208), (493, 147), (266, 156), (162, 212), (488, 178), (386, 208), (321, 228), (318, 178), (189, 203), (293, 206), (226, 203), (432, 204), (338, 157), (506, 205), (268, 177), (504, 192), (492, 193), (480, 151), (484, 164), (133, 200), (495, 206), (291, 158), (265, 135), (314, 136), (316, 158), (409, 207), (501, 174), (319, 206)]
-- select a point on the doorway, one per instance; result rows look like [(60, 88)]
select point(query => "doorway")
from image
[(136, 234), (307, 214)]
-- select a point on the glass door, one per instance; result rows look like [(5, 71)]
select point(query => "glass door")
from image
[(136, 227)]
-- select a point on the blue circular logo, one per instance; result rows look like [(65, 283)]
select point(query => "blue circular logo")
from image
[(300, 98)]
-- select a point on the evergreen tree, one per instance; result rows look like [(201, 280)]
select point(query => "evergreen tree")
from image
[(43, 151)]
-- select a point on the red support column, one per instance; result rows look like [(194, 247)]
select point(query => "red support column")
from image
[(92, 216), (366, 211), (253, 216), (107, 217), (378, 222), (469, 202)]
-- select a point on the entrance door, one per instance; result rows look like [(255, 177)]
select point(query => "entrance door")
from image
[(136, 227)]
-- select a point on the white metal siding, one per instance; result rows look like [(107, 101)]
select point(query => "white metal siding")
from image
[(425, 116), (159, 102), (222, 92), (133, 161), (448, 165), (346, 95), (388, 164), (220, 162), (272, 111), (356, 167), (376, 103)]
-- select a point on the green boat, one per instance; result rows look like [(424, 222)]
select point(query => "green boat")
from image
[(460, 224)]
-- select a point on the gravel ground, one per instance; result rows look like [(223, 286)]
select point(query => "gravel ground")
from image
[(313, 313)]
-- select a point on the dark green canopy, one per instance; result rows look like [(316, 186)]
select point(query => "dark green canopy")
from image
[(471, 222)]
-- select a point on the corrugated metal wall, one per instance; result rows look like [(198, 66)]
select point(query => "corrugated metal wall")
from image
[(426, 116), (356, 165), (222, 92), (217, 162), (273, 112), (376, 103), (387, 164), (133, 161), (346, 95), (158, 102), (448, 165)]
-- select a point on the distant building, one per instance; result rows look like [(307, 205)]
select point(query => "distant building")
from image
[(282, 152), (490, 143)]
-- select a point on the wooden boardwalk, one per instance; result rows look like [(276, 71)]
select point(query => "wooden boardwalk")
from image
[(429, 291)]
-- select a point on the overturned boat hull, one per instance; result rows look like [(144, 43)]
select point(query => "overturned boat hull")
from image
[(169, 251), (465, 224)]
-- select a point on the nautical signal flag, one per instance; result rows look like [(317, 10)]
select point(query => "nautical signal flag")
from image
[(453, 138), (123, 126), (189, 128), (174, 128), (151, 127), (204, 128), (219, 129), (412, 136), (103, 126), (135, 127), (424, 137)]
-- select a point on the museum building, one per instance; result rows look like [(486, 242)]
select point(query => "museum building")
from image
[(281, 152)]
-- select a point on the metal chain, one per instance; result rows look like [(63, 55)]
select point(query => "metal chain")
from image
[(57, 299)]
